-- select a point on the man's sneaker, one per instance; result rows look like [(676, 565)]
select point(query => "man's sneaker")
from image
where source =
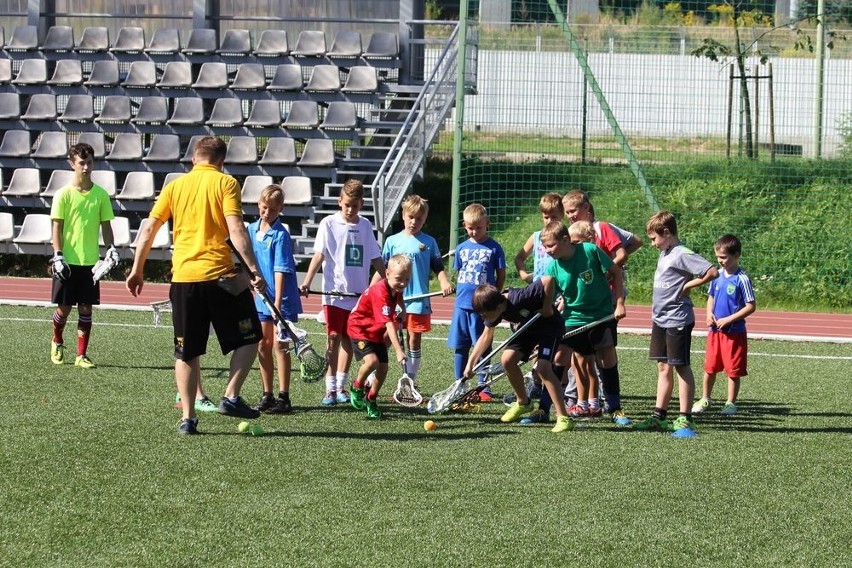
[(342, 397), (729, 409), (267, 401), (330, 399), (683, 422), (595, 413), (281, 406), (516, 411), (510, 399), (536, 417), (486, 396), (653, 423), (620, 420), (578, 412), (57, 353), (702, 405), (205, 405), (83, 362), (238, 409), (188, 427), (563, 424), (373, 411), (356, 398)]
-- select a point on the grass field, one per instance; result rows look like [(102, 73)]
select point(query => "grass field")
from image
[(92, 472)]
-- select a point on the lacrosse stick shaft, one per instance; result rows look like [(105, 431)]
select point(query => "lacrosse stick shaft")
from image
[(422, 296), (336, 293), (486, 358), (588, 326)]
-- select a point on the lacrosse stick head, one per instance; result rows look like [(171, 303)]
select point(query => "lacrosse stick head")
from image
[(406, 393), (442, 400), (313, 365)]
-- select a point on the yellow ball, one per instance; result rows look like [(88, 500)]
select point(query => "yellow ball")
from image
[(243, 427), (429, 425)]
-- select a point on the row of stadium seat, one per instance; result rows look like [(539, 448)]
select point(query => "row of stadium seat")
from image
[(202, 41)]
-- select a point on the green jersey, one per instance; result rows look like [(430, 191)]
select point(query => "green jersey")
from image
[(82, 214), (581, 281)]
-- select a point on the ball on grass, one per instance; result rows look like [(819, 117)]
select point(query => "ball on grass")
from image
[(243, 427), (429, 425), (257, 430)]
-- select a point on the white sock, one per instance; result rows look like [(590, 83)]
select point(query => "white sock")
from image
[(414, 362), (341, 379), (330, 384)]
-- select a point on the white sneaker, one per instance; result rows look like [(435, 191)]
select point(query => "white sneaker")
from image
[(702, 405)]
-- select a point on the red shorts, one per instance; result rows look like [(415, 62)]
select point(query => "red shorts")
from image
[(726, 352), (418, 323), (336, 320)]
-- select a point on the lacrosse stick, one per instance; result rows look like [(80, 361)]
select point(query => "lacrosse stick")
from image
[(422, 296), (442, 400), (406, 394), (469, 398), (335, 293), (588, 326), (313, 364)]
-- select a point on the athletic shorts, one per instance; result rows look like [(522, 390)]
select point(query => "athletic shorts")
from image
[(590, 342), (336, 320), (671, 344), (726, 352), (362, 347), (198, 305), (544, 334), (78, 288), (465, 329), (418, 323)]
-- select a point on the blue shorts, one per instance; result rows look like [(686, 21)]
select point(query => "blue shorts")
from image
[(262, 316), (465, 329)]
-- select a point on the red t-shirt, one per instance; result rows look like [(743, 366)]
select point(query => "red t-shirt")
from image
[(606, 238), (375, 308)]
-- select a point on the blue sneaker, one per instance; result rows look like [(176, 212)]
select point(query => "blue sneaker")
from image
[(238, 409), (536, 417), (188, 427), (343, 397), (330, 399), (620, 420)]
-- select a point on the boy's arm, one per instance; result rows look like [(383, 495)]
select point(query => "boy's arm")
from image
[(279, 288), (478, 350), (56, 235), (711, 274), (520, 260), (313, 267), (378, 265), (390, 327), (617, 284), (710, 318), (501, 278), (742, 313), (446, 285), (633, 244), (619, 256), (106, 231)]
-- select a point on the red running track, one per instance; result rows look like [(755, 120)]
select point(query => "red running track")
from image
[(761, 324)]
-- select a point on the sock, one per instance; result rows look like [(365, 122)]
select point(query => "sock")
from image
[(341, 379), (459, 361), (373, 394), (612, 387), (659, 413), (233, 398), (84, 331), (414, 362), (330, 384), (583, 404), (594, 404), (58, 326)]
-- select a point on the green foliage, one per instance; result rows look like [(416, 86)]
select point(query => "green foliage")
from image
[(844, 127)]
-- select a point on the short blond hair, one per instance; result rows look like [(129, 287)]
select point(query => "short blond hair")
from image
[(551, 203), (555, 230), (575, 197), (415, 204), (399, 262), (660, 221), (583, 231), (272, 195), (474, 213), (353, 188)]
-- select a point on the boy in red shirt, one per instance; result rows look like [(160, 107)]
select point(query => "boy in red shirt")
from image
[(373, 321)]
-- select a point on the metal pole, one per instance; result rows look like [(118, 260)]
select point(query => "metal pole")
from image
[(730, 110), (819, 79), (584, 136), (756, 108), (771, 117), (458, 130)]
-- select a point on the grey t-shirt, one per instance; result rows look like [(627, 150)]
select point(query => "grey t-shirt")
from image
[(675, 267)]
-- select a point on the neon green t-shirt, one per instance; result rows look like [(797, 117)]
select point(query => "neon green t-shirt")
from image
[(82, 213), (581, 280)]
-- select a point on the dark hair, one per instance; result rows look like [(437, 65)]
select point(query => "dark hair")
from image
[(486, 298), (729, 244), (81, 150)]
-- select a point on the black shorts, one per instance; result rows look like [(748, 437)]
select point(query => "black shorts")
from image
[(362, 347), (671, 344), (544, 334), (197, 305), (78, 288), (589, 342)]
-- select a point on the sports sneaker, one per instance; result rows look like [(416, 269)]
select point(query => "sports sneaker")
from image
[(188, 427), (536, 417), (343, 397), (653, 423), (729, 409), (683, 422), (57, 353), (486, 396), (330, 399), (238, 409), (281, 406), (578, 412), (620, 420), (83, 362), (267, 401), (702, 405), (563, 424), (510, 399), (516, 411), (356, 398), (205, 405), (373, 411), (595, 413)]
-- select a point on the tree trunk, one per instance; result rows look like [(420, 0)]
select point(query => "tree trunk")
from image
[(744, 93)]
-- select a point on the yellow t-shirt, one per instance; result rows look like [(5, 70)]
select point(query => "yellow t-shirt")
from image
[(197, 203)]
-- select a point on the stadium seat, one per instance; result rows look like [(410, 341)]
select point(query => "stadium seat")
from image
[(10, 106), (96, 141), (126, 146), (297, 190), (213, 75), (41, 107), (340, 115), (226, 112), (129, 40), (24, 38), (241, 150), (95, 39), (67, 72), (164, 148), (16, 144), (58, 38), (190, 148), (5, 71), (138, 186), (249, 77), (31, 72), (288, 77), (78, 108), (152, 110), (104, 74), (187, 111), (361, 79), (51, 145), (265, 114), (141, 74), (310, 43), (25, 182), (280, 151), (120, 232), (252, 188), (7, 227), (162, 240), (58, 180), (235, 42), (165, 40), (324, 78), (318, 153), (171, 176), (303, 114), (382, 45), (202, 41), (272, 43), (346, 44), (105, 179), (176, 75), (116, 109), (37, 228)]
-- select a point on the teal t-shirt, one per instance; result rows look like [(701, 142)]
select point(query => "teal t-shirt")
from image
[(581, 281)]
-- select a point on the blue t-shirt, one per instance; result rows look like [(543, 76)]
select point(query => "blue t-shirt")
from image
[(475, 264), (274, 252), (731, 292), (541, 260), (423, 251)]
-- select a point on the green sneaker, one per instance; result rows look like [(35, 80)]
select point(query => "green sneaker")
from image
[(702, 405), (516, 411), (57, 353), (356, 398), (653, 423), (563, 424), (683, 422), (729, 409), (205, 405), (83, 362), (373, 411)]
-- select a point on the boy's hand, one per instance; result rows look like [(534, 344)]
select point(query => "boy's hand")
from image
[(525, 276), (620, 311), (711, 321), (305, 289), (447, 289), (400, 355)]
